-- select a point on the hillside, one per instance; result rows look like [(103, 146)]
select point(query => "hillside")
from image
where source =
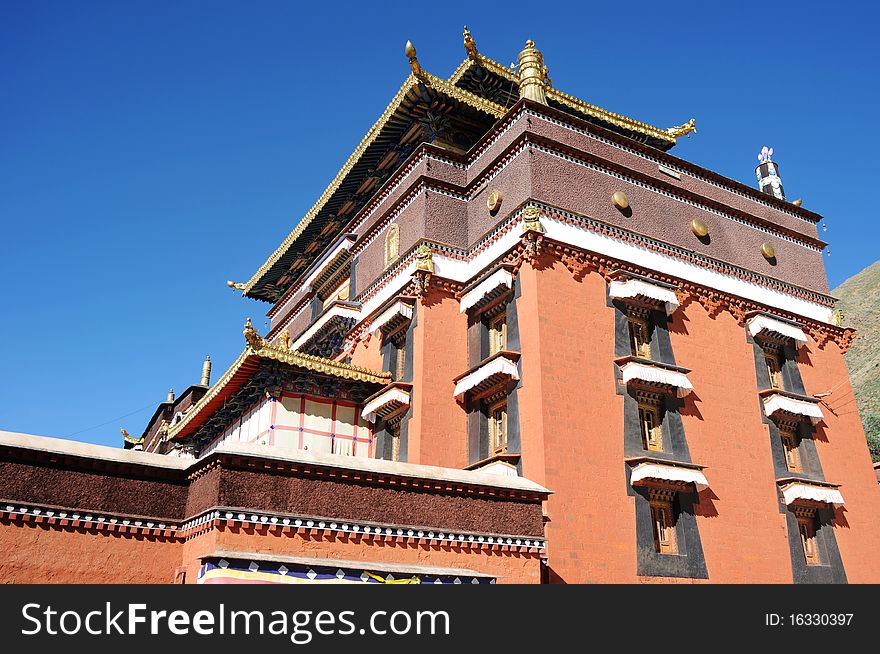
[(860, 303)]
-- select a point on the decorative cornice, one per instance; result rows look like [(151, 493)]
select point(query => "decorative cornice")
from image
[(580, 262), (356, 531), (71, 518)]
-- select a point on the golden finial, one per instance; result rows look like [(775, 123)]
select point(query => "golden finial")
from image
[(206, 371), (470, 45), (124, 433), (410, 51), (251, 336), (533, 77), (284, 339), (798, 202), (170, 395), (532, 220), (838, 317), (688, 128), (425, 258)]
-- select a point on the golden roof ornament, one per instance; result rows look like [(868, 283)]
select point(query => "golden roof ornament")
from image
[(170, 395), (251, 335), (532, 73), (206, 371), (470, 45), (284, 339), (410, 51), (128, 438), (425, 258), (236, 285), (532, 220), (688, 128)]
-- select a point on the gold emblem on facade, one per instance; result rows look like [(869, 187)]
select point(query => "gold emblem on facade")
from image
[(620, 200), (493, 200), (768, 251), (699, 228), (532, 220), (425, 258)]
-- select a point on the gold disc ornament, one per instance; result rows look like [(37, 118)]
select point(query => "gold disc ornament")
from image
[(620, 200), (493, 200), (699, 228)]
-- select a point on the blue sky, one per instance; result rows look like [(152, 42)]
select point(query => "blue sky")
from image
[(149, 151)]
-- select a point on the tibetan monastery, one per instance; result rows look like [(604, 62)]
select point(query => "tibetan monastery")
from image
[(515, 340)]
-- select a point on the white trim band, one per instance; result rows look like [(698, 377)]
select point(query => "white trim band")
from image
[(634, 288), (668, 473), (760, 323), (398, 308), (809, 410), (501, 468), (336, 311), (806, 491), (634, 371), (321, 265), (496, 366), (389, 396), (497, 279)]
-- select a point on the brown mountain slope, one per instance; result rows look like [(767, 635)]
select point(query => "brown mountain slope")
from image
[(860, 303)]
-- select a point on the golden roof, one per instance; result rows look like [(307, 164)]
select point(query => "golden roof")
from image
[(285, 264), (411, 82), (668, 135)]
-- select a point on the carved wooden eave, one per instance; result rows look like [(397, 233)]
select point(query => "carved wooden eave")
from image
[(351, 187), (791, 406), (667, 474), (388, 402), (809, 492), (654, 376), (487, 376)]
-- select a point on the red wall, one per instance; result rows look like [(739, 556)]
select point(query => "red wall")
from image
[(39, 553), (571, 424), (845, 458)]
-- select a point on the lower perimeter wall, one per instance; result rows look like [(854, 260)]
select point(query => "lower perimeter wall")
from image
[(35, 552), (255, 505)]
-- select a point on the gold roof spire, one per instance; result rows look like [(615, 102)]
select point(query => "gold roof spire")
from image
[(532, 73), (170, 395), (688, 128), (206, 371), (470, 45), (410, 51)]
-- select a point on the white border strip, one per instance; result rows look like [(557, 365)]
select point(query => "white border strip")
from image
[(337, 311), (391, 395), (498, 278)]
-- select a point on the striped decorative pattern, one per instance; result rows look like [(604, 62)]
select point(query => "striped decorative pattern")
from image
[(240, 571)]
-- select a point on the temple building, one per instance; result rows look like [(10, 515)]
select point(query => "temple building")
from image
[(515, 340)]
